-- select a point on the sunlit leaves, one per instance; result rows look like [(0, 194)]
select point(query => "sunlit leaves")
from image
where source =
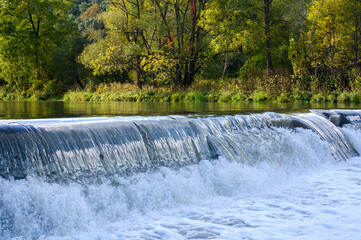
[(160, 65), (331, 35), (30, 31)]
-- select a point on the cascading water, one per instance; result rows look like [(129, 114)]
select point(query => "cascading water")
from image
[(178, 177), (107, 146)]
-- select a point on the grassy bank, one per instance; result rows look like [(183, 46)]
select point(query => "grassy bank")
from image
[(129, 93), (220, 92)]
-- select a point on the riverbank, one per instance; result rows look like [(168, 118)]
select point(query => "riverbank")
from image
[(227, 96), (129, 93)]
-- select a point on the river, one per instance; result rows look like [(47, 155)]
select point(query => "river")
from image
[(60, 109)]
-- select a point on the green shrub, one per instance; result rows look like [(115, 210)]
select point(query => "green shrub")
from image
[(146, 96), (199, 97), (213, 96), (77, 96), (130, 93), (96, 97), (129, 96), (355, 79), (331, 98), (284, 98), (2, 95), (239, 96), (300, 95), (350, 97), (344, 97), (260, 96), (226, 96), (318, 98), (163, 97), (195, 97), (354, 97), (177, 97)]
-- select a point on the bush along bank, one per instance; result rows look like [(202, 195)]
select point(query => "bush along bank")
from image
[(202, 91), (211, 96)]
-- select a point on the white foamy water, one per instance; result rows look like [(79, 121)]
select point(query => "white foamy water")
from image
[(294, 190)]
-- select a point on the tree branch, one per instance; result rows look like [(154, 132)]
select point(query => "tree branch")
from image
[(314, 26)]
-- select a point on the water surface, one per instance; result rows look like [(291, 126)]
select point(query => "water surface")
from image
[(59, 109)]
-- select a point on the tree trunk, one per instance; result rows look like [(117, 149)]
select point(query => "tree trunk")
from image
[(35, 26), (314, 25), (190, 72), (179, 65), (191, 66), (225, 65), (356, 39), (178, 74), (139, 73), (77, 76), (266, 7)]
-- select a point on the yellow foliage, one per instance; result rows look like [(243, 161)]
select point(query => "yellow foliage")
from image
[(328, 37), (160, 64)]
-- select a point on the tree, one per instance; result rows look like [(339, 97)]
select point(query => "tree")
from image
[(29, 33), (329, 46), (259, 27), (127, 38), (351, 14), (139, 32), (183, 36)]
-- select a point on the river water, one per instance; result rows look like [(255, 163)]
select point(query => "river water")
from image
[(60, 109), (260, 176)]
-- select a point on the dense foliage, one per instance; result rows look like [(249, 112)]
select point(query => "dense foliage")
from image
[(274, 46)]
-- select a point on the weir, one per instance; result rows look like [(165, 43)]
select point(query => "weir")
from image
[(88, 147)]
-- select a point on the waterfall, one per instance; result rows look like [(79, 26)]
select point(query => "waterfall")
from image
[(175, 177), (88, 147)]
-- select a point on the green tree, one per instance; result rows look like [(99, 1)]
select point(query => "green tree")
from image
[(260, 27), (351, 14), (29, 33), (126, 39), (329, 47), (182, 36), (155, 39)]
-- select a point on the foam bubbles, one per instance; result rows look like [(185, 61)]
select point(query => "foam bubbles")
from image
[(221, 198)]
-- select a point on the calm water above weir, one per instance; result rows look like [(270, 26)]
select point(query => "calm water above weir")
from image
[(59, 109)]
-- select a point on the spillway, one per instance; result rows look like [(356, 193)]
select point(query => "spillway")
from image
[(88, 147), (257, 176)]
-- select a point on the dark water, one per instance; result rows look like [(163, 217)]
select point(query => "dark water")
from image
[(58, 109)]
